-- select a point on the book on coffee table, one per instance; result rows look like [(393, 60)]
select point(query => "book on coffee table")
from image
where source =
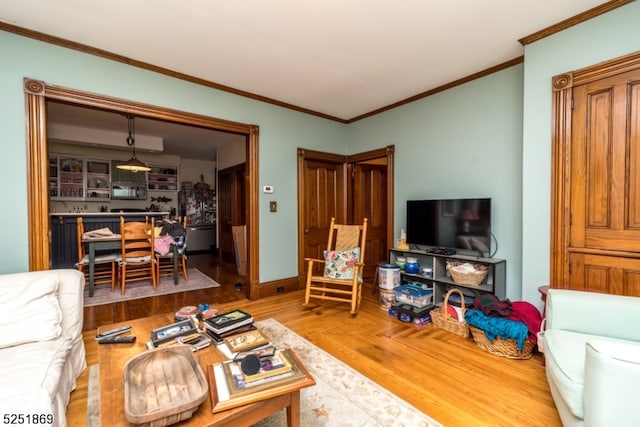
[(219, 338), (228, 321), (229, 390), (246, 341)]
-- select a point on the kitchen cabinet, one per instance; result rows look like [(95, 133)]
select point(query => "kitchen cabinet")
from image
[(66, 177), (97, 179), (54, 174), (163, 178), (78, 178)]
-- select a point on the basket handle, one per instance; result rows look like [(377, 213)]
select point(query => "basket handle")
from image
[(445, 305)]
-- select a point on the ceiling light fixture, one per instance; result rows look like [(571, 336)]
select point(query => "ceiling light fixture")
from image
[(133, 164)]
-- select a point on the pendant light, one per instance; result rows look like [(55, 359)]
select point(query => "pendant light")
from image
[(133, 164)]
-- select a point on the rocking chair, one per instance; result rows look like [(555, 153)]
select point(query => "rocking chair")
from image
[(343, 266)]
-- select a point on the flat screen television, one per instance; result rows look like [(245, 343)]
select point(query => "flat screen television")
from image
[(460, 224)]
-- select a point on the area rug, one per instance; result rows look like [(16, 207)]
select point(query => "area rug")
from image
[(102, 294), (341, 396)]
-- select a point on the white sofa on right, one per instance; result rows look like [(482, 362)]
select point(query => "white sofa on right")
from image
[(592, 357)]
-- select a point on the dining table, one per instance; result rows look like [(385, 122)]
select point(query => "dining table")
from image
[(114, 242)]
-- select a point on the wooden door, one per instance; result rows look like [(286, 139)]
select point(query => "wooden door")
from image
[(370, 195), (601, 160), (322, 191), (231, 207), (349, 188)]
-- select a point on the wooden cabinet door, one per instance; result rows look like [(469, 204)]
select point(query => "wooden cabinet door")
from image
[(604, 190), (605, 273)]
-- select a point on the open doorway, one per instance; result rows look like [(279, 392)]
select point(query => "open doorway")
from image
[(38, 93)]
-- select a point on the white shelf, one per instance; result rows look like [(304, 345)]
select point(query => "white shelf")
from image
[(163, 178)]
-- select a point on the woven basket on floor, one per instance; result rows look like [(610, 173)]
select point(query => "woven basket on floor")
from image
[(443, 320), (472, 278), (501, 347)]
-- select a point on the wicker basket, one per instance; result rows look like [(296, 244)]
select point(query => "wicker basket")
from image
[(501, 347), (474, 278), (443, 320)]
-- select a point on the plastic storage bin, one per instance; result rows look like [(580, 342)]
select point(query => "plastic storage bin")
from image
[(414, 294)]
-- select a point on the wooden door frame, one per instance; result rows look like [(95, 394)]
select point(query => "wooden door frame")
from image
[(303, 154), (562, 99), (38, 92)]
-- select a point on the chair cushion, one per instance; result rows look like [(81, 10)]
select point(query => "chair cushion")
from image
[(30, 311), (100, 259), (341, 264), (140, 259)]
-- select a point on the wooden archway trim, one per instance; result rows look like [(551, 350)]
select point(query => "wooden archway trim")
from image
[(36, 95)]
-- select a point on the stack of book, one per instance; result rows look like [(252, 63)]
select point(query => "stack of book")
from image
[(231, 387), (182, 332), (278, 365), (228, 324)]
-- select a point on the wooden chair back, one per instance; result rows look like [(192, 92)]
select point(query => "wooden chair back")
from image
[(341, 237), (104, 266), (79, 234), (138, 257), (136, 238), (165, 262)]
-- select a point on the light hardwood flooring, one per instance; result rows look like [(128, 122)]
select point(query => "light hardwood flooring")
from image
[(443, 375)]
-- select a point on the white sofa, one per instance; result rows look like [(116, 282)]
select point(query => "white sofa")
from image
[(592, 357), (41, 346)]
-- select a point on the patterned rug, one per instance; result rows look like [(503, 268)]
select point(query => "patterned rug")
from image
[(341, 396), (102, 294)]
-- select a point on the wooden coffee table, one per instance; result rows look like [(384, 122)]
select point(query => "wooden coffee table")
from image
[(114, 356)]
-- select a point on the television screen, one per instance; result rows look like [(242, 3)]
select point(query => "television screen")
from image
[(463, 224)]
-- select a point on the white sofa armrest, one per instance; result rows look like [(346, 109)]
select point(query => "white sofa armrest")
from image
[(611, 383), (593, 313), (71, 299)]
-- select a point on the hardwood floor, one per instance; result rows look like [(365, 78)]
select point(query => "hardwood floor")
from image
[(443, 375)]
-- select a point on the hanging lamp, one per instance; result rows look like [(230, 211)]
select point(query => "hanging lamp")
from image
[(133, 164)]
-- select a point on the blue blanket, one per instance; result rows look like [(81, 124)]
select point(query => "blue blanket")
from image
[(497, 327)]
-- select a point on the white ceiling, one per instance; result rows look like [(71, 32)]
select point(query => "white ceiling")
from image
[(340, 58)]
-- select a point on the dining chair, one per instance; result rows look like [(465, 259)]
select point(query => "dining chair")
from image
[(164, 262), (105, 270), (137, 260), (342, 266)]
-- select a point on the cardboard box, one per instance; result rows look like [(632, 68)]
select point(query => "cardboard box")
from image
[(240, 247)]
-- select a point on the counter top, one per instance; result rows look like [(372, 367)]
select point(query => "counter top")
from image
[(99, 214)]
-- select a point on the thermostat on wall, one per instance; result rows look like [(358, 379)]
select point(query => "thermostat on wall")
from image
[(267, 189)]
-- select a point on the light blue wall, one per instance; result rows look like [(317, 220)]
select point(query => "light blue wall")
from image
[(490, 137), (464, 142), (600, 39), (281, 132)]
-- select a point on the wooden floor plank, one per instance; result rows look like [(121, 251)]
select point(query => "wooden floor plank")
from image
[(443, 375)]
